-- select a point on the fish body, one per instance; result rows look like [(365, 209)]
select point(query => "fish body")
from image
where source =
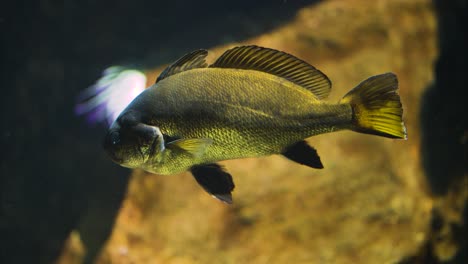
[(250, 102), (246, 114)]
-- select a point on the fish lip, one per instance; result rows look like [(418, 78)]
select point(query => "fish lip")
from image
[(114, 158), (117, 160)]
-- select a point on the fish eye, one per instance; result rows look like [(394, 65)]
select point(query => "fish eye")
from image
[(114, 137)]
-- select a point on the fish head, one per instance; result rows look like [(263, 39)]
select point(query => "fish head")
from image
[(131, 143)]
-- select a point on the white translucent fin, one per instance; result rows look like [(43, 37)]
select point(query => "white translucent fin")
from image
[(105, 100)]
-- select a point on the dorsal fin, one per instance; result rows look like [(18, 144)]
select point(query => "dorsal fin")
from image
[(192, 60), (277, 63)]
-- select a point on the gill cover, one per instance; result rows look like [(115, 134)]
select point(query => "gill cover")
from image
[(130, 143)]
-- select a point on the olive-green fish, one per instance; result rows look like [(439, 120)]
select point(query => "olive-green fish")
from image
[(250, 102)]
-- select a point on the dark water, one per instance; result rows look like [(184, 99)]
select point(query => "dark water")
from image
[(52, 168)]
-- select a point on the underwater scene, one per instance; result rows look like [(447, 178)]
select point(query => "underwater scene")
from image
[(193, 132)]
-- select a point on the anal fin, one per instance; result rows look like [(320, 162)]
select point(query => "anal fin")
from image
[(214, 180), (304, 154)]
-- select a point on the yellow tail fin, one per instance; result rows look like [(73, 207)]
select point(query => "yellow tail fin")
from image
[(377, 107)]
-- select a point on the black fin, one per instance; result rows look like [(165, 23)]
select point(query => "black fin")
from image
[(214, 180), (304, 154), (277, 63), (192, 60)]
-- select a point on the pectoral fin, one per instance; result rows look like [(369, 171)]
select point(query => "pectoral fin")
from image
[(214, 180), (194, 146), (304, 154)]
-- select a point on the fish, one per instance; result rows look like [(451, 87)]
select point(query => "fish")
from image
[(250, 102)]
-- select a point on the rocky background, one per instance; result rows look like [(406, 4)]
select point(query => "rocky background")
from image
[(377, 200)]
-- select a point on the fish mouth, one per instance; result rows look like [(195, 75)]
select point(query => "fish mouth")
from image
[(117, 160), (108, 149), (114, 157)]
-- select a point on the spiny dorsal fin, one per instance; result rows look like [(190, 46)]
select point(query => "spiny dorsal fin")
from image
[(277, 63), (192, 60)]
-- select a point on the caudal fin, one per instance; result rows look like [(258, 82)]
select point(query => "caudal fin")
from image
[(377, 107)]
